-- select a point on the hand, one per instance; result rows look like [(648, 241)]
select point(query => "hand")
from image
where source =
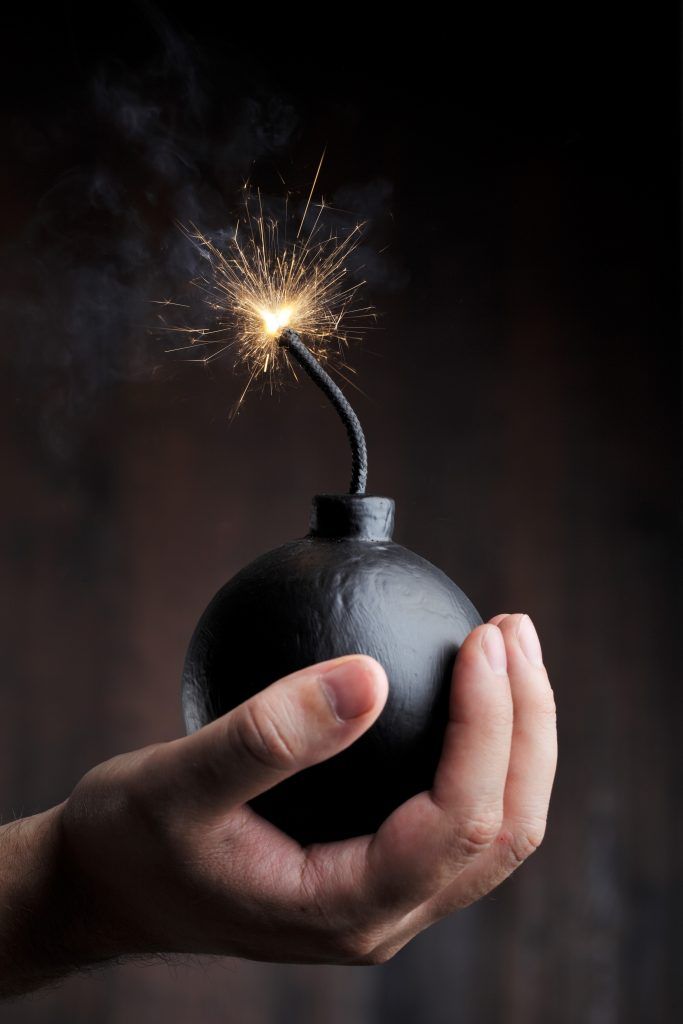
[(158, 851), (171, 858)]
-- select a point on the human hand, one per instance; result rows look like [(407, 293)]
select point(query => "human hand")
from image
[(165, 855)]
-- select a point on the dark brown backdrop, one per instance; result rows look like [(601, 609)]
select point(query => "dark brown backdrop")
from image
[(521, 403)]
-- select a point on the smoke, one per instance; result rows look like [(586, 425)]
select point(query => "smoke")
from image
[(369, 202), (141, 151)]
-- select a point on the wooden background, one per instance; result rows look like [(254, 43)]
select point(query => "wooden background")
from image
[(522, 405)]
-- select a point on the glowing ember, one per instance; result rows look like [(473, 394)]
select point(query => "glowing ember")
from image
[(276, 319)]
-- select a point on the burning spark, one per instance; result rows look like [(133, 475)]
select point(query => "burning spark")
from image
[(275, 321), (264, 281)]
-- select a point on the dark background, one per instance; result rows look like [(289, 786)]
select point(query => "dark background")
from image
[(521, 399)]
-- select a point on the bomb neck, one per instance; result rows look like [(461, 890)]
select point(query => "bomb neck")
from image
[(352, 516)]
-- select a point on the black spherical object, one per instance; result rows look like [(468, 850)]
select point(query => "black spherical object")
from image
[(345, 588)]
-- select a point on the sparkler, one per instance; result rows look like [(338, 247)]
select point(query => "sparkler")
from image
[(267, 290)]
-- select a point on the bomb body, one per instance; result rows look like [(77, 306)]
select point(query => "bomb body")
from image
[(346, 588)]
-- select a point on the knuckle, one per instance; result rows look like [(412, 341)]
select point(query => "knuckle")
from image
[(357, 946), (524, 840), (476, 834), (375, 957), (263, 738), (125, 791), (147, 804)]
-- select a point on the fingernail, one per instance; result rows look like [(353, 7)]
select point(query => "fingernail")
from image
[(350, 688), (494, 649), (529, 642)]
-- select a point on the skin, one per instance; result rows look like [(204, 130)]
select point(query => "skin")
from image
[(157, 851)]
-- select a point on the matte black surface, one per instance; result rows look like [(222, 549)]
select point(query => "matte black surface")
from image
[(322, 597), (346, 515)]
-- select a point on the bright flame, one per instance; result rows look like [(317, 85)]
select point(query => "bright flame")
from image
[(268, 278), (276, 319)]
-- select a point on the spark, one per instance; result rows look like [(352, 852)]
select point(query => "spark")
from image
[(310, 194), (262, 281)]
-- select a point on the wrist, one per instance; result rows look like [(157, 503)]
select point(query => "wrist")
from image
[(29, 888), (48, 923)]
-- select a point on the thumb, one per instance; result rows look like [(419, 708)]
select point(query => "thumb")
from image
[(296, 722)]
